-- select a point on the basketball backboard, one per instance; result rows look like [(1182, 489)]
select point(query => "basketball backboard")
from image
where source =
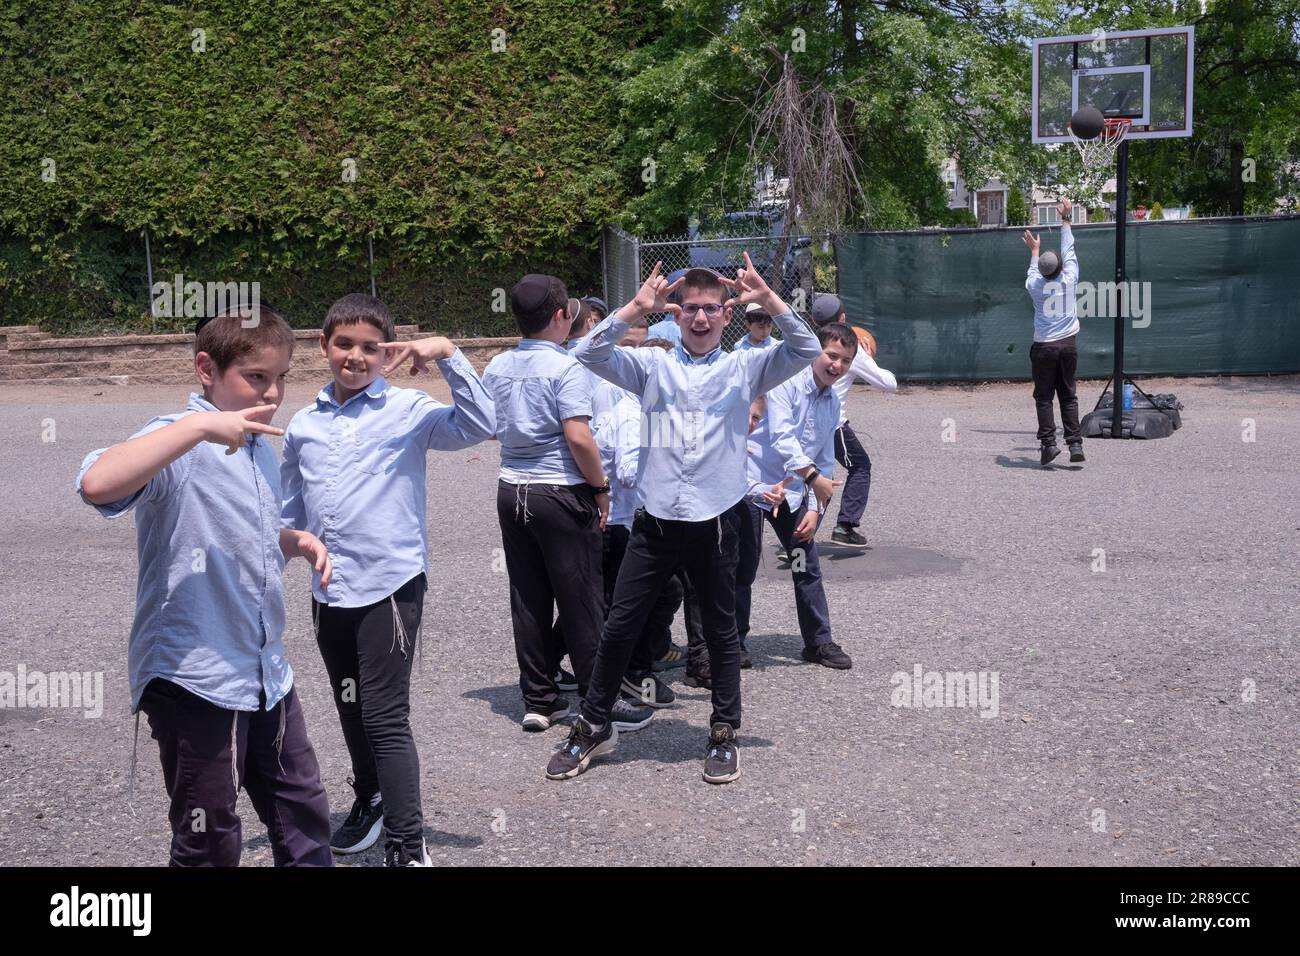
[(1141, 75)]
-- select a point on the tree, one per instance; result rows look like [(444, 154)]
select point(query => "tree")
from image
[(913, 82)]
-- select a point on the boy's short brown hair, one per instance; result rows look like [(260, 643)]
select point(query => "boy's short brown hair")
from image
[(704, 280), (356, 307), (239, 331)]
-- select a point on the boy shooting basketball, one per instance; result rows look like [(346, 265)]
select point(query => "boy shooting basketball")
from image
[(1054, 357)]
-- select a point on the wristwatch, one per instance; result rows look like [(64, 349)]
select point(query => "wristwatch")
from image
[(600, 490), (814, 476)]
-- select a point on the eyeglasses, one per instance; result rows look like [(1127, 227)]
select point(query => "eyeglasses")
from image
[(712, 310)]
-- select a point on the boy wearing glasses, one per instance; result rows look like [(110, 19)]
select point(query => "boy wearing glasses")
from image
[(691, 471)]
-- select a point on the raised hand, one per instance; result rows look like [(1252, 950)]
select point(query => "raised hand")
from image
[(653, 294), (233, 428), (750, 286), (1063, 208), (421, 352), (1031, 241)]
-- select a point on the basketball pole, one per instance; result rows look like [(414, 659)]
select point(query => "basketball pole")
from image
[(1121, 225)]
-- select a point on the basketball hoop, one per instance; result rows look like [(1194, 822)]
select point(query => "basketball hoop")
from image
[(1098, 158)]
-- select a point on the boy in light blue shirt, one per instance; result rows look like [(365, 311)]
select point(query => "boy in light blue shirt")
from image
[(552, 502), (792, 452), (691, 472), (1054, 356), (206, 656), (354, 475)]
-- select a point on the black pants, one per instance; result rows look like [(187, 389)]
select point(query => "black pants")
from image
[(656, 636), (1054, 364), (551, 538), (655, 549), (368, 653), (697, 652), (749, 526), (272, 759), (857, 479), (805, 568)]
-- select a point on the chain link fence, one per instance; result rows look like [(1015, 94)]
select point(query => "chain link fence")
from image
[(803, 269)]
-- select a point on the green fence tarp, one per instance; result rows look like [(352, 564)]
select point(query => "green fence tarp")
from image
[(951, 304)]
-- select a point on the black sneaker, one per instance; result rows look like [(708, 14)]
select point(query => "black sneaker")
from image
[(1048, 453), (540, 718), (701, 676), (397, 855), (722, 759), (828, 655), (360, 830), (565, 681), (1076, 452), (746, 662), (782, 556), (651, 692), (583, 744), (628, 716), (676, 657), (847, 534)]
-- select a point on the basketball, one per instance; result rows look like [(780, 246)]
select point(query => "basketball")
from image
[(1087, 123)]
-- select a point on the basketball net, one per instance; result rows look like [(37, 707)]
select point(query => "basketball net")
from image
[(1098, 157)]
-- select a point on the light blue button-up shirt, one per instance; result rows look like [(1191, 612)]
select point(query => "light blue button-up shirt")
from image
[(694, 412), (667, 329), (747, 344), (536, 386), (353, 476), (209, 602), (797, 431), (616, 426), (1055, 314)]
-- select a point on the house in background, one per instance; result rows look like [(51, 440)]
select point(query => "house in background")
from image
[(988, 203)]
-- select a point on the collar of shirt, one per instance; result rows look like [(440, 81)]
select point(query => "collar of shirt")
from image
[(705, 359), (528, 344), (373, 390)]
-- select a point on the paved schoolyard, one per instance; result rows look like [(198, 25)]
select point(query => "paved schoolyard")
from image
[(1145, 713)]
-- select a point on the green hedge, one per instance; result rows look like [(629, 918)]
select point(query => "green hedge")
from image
[(471, 165)]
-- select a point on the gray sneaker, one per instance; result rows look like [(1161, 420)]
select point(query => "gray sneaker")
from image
[(627, 716)]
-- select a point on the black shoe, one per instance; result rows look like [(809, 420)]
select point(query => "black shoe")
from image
[(746, 662), (565, 681), (583, 744), (828, 655), (1048, 453), (360, 831), (541, 718), (676, 657), (722, 759), (397, 855), (782, 556), (847, 534), (627, 715), (651, 692), (701, 676), (1076, 452)]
